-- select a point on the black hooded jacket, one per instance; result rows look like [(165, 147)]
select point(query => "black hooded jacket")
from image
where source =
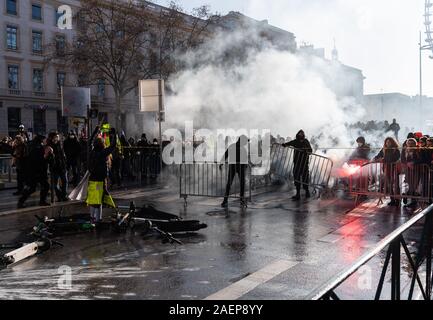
[(36, 163), (302, 150), (98, 166)]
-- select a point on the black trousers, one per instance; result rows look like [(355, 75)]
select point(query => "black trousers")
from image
[(233, 171), (75, 170), (20, 179), (302, 177), (115, 171), (30, 188)]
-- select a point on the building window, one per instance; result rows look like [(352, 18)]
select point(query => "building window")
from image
[(60, 45), (82, 80), (14, 121), (36, 12), (61, 78), (39, 122), (11, 7), (13, 77), (38, 80), (101, 88), (37, 42), (12, 37)]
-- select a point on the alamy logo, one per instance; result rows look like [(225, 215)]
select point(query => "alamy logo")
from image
[(64, 21), (65, 280)]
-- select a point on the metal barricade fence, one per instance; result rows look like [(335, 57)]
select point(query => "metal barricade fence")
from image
[(301, 167), (7, 172), (144, 163), (208, 179), (395, 180)]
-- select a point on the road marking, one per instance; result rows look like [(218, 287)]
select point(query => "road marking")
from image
[(242, 287)]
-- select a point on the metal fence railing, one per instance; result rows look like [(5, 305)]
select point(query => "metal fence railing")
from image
[(395, 245), (209, 179), (292, 165), (395, 180), (7, 171)]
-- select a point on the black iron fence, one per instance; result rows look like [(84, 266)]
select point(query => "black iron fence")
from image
[(292, 165), (395, 245), (394, 180), (7, 171), (209, 179)]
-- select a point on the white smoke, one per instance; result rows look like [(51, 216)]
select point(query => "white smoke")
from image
[(265, 89)]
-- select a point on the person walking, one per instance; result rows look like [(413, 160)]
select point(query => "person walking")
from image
[(238, 159), (36, 163), (58, 167), (72, 149)]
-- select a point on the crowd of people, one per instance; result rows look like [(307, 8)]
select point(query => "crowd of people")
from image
[(57, 161), (373, 127), (413, 158)]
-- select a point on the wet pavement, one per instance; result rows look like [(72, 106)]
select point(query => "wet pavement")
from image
[(276, 249)]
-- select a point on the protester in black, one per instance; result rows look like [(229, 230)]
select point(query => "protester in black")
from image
[(301, 171), (58, 167), (238, 160), (36, 171), (72, 149)]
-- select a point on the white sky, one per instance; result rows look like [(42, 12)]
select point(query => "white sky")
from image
[(378, 36)]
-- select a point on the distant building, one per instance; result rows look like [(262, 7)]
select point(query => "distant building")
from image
[(281, 39), (343, 80), (406, 109)]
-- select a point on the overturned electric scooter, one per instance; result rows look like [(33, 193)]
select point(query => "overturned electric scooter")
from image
[(42, 241), (151, 219)]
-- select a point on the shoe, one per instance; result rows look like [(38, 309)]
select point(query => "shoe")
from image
[(225, 204), (244, 203), (307, 194), (296, 198), (44, 204), (391, 204)]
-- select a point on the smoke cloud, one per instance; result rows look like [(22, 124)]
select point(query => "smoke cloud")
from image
[(228, 86)]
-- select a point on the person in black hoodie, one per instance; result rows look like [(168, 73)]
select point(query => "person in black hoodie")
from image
[(98, 170), (36, 171), (238, 160), (301, 170), (58, 167), (72, 148)]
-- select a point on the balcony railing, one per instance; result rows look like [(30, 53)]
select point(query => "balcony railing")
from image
[(57, 96)]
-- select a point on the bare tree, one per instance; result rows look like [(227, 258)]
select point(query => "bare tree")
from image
[(123, 42)]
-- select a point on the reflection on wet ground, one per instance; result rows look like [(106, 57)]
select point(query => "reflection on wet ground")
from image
[(301, 245)]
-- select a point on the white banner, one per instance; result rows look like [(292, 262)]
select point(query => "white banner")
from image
[(151, 94)]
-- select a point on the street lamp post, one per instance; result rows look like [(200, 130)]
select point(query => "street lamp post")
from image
[(428, 46)]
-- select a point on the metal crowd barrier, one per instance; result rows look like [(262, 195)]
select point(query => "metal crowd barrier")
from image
[(311, 169), (395, 180), (142, 163), (7, 172), (396, 244), (206, 179)]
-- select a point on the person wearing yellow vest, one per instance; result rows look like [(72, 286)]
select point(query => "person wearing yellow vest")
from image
[(97, 193)]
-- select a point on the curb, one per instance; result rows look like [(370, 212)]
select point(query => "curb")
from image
[(38, 208)]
